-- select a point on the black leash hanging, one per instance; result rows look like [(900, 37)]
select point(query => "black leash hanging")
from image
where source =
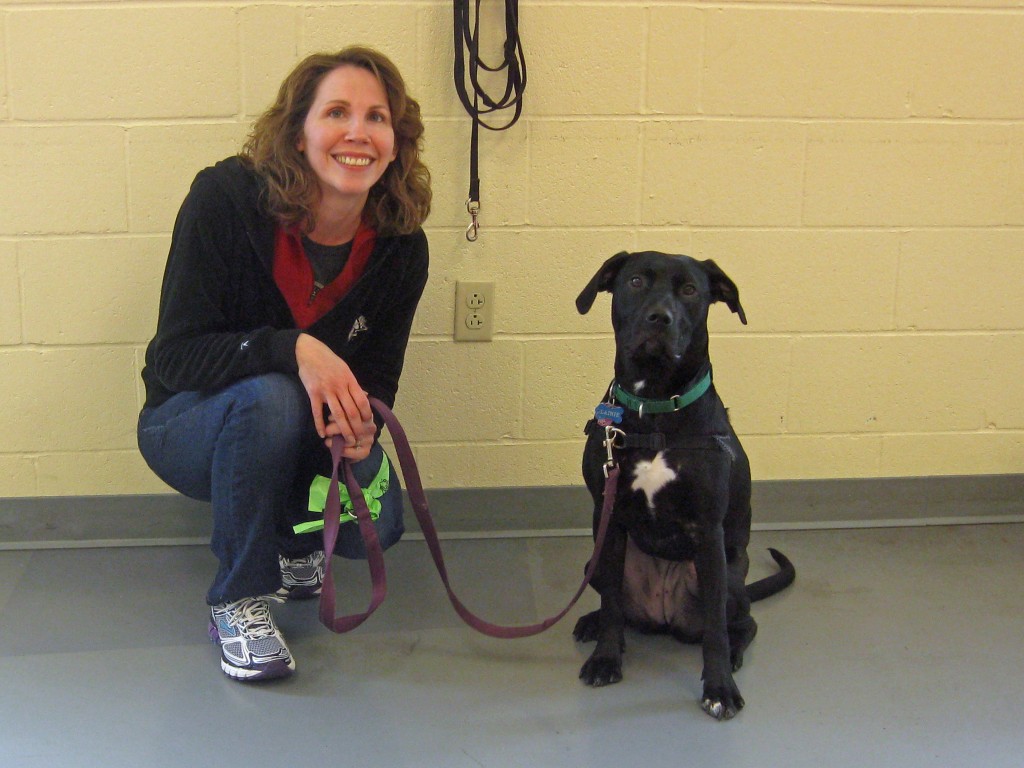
[(513, 65)]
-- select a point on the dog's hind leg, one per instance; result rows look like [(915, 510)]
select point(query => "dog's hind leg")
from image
[(741, 635), (586, 629), (741, 625)]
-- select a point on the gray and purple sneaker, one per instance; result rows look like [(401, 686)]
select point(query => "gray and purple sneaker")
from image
[(301, 577), (251, 646)]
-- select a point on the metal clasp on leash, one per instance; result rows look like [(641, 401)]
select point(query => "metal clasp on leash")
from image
[(473, 207), (613, 438)]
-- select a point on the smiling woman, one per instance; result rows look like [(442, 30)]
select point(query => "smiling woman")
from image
[(398, 204), (294, 272), (349, 142)]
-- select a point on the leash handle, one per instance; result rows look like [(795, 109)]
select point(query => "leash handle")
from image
[(374, 553), (417, 498)]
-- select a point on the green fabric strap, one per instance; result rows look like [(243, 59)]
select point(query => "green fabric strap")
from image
[(676, 403), (371, 494)]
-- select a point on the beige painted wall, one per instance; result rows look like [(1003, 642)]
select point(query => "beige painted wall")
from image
[(857, 167)]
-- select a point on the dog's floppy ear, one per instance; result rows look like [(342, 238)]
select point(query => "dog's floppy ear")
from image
[(601, 281), (724, 289)]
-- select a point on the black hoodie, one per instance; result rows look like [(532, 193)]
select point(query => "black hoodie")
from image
[(222, 317)]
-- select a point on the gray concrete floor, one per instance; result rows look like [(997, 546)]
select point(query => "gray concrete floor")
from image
[(899, 646)]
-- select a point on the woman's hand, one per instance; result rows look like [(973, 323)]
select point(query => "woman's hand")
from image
[(358, 451), (330, 382)]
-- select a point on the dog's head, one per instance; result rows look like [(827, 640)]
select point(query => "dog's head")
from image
[(659, 308)]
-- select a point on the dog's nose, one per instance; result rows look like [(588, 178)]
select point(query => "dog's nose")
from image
[(660, 316)]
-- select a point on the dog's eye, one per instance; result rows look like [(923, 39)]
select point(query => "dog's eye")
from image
[(689, 289), (636, 281)]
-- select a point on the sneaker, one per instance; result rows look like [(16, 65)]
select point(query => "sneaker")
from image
[(251, 645), (302, 577)]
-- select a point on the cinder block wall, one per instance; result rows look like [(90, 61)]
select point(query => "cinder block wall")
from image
[(857, 168)]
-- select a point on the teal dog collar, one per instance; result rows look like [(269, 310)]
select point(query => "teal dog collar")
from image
[(676, 403)]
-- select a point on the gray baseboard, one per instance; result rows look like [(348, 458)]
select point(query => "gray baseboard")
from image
[(149, 520)]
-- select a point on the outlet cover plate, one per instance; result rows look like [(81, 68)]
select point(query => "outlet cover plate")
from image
[(474, 311)]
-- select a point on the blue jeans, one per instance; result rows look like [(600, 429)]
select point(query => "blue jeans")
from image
[(251, 450)]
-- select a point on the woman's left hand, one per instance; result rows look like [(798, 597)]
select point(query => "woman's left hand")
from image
[(364, 439), (332, 388)]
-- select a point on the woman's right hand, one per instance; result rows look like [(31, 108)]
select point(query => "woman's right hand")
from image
[(330, 382)]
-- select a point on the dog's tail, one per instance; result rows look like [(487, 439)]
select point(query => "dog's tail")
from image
[(777, 582)]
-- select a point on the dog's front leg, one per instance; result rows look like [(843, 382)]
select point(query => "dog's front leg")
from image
[(721, 697), (604, 666)]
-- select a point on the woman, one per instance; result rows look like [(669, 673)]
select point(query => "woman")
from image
[(293, 275)]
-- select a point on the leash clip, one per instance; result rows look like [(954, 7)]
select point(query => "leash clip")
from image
[(613, 438), (472, 231)]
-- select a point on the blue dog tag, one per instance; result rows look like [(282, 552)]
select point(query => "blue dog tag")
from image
[(607, 414)]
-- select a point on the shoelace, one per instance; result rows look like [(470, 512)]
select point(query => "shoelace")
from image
[(309, 559), (252, 617)]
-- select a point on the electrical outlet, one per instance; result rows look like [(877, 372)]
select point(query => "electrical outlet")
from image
[(474, 311)]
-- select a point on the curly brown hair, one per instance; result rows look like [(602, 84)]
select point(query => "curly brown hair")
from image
[(397, 204)]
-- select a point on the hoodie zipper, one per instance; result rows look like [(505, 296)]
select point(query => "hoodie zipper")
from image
[(317, 287)]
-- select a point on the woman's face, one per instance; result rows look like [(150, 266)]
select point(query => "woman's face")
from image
[(347, 138)]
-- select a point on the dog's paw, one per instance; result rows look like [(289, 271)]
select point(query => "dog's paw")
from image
[(585, 630), (601, 670), (741, 635), (722, 703)]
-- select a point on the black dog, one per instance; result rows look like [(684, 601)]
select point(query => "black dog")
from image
[(675, 557)]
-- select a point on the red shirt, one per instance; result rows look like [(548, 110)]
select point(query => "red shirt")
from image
[(294, 274)]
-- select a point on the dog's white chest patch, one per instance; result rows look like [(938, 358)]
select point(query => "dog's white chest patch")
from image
[(651, 476)]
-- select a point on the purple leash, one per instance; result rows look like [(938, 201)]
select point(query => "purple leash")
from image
[(375, 556)]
